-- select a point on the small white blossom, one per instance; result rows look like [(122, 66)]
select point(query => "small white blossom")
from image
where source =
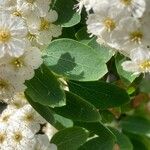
[(13, 32), (135, 7), (9, 85), (24, 65), (139, 63)]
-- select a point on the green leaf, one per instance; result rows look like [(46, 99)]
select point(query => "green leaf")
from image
[(45, 89), (145, 84), (74, 60), (67, 15), (97, 128), (102, 95), (103, 52), (83, 36), (99, 143), (44, 111), (122, 140), (136, 125), (127, 77), (70, 139), (78, 109), (105, 141)]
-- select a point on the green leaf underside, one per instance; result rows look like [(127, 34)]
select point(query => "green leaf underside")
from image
[(78, 109), (70, 138), (45, 89), (74, 60), (102, 95)]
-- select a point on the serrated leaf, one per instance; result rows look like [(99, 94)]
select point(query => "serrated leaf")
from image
[(67, 15), (78, 109), (45, 89), (70, 138), (102, 95), (74, 60)]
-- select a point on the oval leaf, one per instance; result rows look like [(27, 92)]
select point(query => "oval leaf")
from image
[(78, 109), (74, 60), (45, 89), (100, 94), (70, 139)]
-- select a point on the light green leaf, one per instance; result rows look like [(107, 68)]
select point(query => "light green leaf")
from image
[(74, 60), (127, 77), (45, 89)]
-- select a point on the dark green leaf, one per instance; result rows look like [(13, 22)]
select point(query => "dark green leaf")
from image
[(78, 109), (45, 89), (122, 140), (70, 138), (136, 125), (102, 95), (44, 111), (99, 143), (67, 15)]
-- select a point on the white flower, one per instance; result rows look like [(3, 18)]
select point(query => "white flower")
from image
[(105, 21), (130, 35), (39, 7), (19, 138), (6, 115), (135, 7), (50, 131), (139, 63), (27, 116), (42, 30), (9, 84), (17, 102), (12, 35), (3, 135), (24, 65)]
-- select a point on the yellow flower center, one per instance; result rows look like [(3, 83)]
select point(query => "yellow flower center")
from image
[(18, 63), (29, 117), (136, 36), (31, 36), (2, 138), (5, 118), (109, 24), (45, 24), (17, 137), (145, 65), (30, 1), (126, 2), (4, 36), (17, 13), (3, 85)]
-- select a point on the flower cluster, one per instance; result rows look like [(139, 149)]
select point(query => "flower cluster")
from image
[(20, 125), (26, 27), (124, 26)]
